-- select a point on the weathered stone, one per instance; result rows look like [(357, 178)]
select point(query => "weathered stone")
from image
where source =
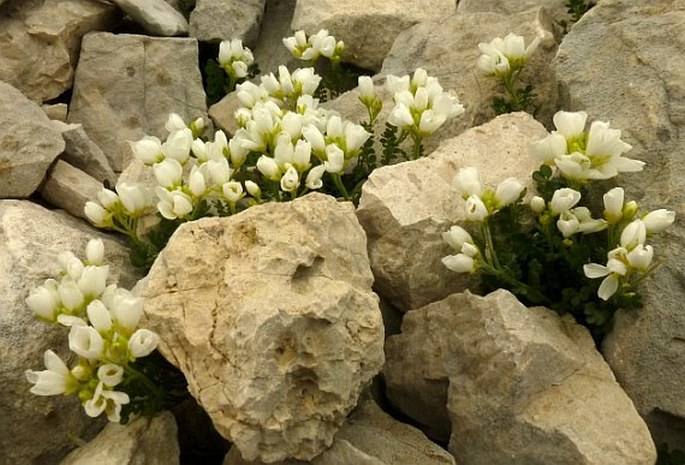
[(56, 111), (39, 43), (216, 20), (269, 51), (556, 8), (270, 316), (144, 441), (223, 113), (407, 207), (367, 28), (31, 239), (126, 86), (69, 188), (28, 143), (371, 437), (623, 63), (523, 386), (156, 16), (448, 50), (83, 153)]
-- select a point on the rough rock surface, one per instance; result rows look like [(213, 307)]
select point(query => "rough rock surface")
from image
[(216, 20), (269, 51), (39, 43), (556, 8), (524, 387), (69, 188), (126, 86), (31, 239), (28, 143), (270, 316), (636, 48), (367, 28), (156, 16), (371, 437), (144, 441), (448, 49), (407, 207)]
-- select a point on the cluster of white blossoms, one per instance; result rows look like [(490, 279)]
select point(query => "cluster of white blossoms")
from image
[(571, 219), (582, 156), (480, 202), (103, 322), (503, 57), (234, 58), (464, 261), (421, 105), (631, 258), (316, 45)]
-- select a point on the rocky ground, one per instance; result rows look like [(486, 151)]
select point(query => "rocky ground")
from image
[(311, 331)]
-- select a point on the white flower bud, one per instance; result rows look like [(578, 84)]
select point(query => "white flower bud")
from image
[(460, 263), (290, 180), (467, 183), (169, 173), (658, 220), (314, 177), (110, 374), (613, 205), (475, 209), (641, 257), (508, 191), (93, 280), (537, 204), (70, 295), (563, 200), (633, 234), (253, 189), (44, 301), (95, 251), (99, 316), (269, 168), (233, 191), (86, 342), (142, 343), (456, 237)]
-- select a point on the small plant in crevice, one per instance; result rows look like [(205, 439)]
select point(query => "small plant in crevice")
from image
[(576, 9), (233, 65), (504, 59)]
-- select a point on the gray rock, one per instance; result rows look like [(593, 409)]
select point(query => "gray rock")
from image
[(269, 52), (367, 28), (69, 188), (216, 20), (84, 154), (448, 50), (39, 42), (144, 441), (56, 111), (523, 386), (407, 207), (223, 113), (28, 143), (636, 80), (556, 8), (285, 331), (31, 239), (156, 16), (126, 85), (370, 437)]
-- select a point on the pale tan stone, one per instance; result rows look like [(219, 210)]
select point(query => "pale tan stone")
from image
[(217, 20), (155, 16), (69, 188)]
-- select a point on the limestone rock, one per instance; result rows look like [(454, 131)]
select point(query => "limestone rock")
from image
[(156, 16), (69, 188), (31, 239), (270, 316), (216, 20), (448, 49), (39, 43), (28, 143), (56, 111), (367, 28), (223, 113), (269, 51), (636, 48), (145, 441), (84, 154), (126, 86), (371, 437), (524, 387), (407, 207), (556, 8)]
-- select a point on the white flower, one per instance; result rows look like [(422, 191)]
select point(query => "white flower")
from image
[(234, 58), (219, 171), (461, 263), (148, 150), (302, 155), (95, 252), (107, 198), (70, 264), (44, 301), (142, 343), (233, 191), (335, 159), (169, 173), (98, 215), (105, 400), (57, 379), (467, 182), (238, 153), (400, 116), (132, 198), (475, 208), (548, 149), (93, 280), (313, 180), (568, 224), (290, 180), (253, 189), (175, 204), (456, 237), (110, 374), (430, 121), (313, 135), (365, 89), (174, 123), (508, 191), (124, 308), (269, 168), (587, 223), (640, 257), (563, 200), (396, 84), (633, 234), (501, 56), (196, 182), (537, 204), (99, 316), (614, 269), (570, 124), (613, 205), (178, 145), (70, 295), (658, 220), (86, 342)]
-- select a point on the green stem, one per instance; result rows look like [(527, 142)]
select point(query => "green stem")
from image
[(337, 180), (135, 374), (490, 254), (416, 153)]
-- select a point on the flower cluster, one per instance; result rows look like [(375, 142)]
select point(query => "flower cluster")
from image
[(502, 57), (582, 156), (467, 251), (316, 45), (103, 333), (235, 59), (571, 219), (482, 203)]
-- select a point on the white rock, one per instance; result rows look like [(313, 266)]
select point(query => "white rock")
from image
[(156, 16), (216, 20), (69, 188), (271, 317)]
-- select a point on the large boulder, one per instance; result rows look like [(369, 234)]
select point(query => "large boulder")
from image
[(32, 237), (623, 63), (126, 85), (156, 16), (556, 8), (271, 317), (39, 42), (405, 208), (519, 386), (217, 20), (367, 28), (28, 143)]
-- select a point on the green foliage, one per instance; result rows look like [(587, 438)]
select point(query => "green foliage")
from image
[(576, 9), (336, 78), (218, 83), (186, 7), (669, 457), (520, 100), (391, 140)]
